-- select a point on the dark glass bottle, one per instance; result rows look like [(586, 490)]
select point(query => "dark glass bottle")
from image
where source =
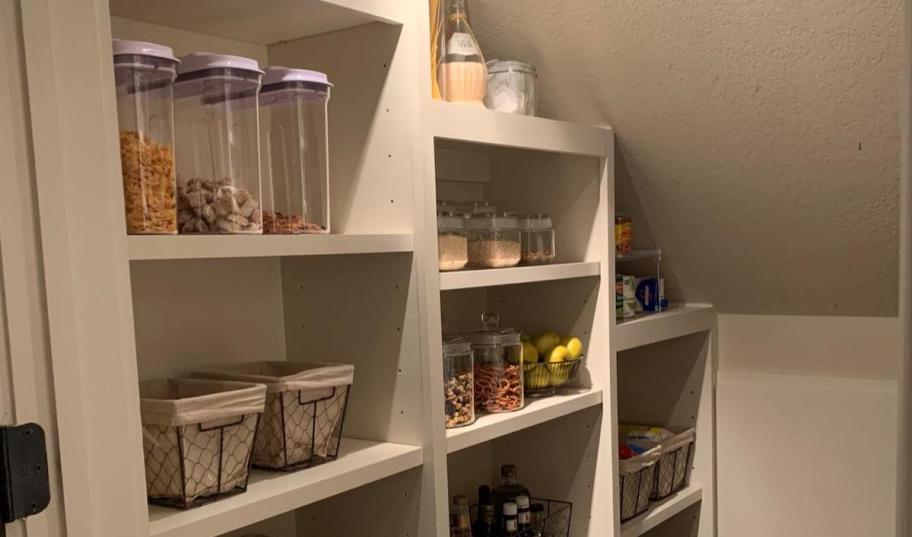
[(508, 490), (485, 524)]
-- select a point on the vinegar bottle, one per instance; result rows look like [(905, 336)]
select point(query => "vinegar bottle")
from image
[(461, 73)]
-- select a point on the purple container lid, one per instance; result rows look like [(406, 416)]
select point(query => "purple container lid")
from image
[(142, 48), (277, 75), (201, 61)]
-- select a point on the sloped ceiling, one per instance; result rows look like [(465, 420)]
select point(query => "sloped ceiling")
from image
[(757, 141)]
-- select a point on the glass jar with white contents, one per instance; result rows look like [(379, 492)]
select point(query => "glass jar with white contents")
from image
[(493, 241), (536, 239), (452, 246), (511, 87)]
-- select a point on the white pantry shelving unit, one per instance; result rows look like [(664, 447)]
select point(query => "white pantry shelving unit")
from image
[(124, 309)]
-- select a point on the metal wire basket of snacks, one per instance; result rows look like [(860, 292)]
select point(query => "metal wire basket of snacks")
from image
[(543, 379), (305, 410), (676, 451), (637, 475), (198, 437)]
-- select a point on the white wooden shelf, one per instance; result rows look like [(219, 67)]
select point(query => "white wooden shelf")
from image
[(466, 123), (662, 511), (676, 321), (247, 20), (273, 493), (491, 426), (466, 279), (221, 246)]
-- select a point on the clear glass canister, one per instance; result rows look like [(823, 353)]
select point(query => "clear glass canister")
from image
[(144, 81), (497, 355), (494, 241), (452, 247), (218, 145), (511, 87), (536, 239), (295, 151), (458, 382)]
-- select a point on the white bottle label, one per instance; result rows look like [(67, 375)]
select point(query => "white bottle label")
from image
[(524, 518), (510, 525), (461, 44)]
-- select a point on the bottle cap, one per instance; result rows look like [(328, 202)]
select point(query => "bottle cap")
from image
[(484, 494), (537, 508), (509, 509), (461, 501), (522, 502), (508, 470)]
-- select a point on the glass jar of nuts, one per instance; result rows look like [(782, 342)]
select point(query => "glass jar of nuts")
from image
[(458, 382)]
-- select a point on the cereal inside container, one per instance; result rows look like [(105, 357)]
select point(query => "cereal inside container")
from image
[(295, 151), (497, 356), (144, 76), (537, 239), (452, 247), (217, 134), (493, 241), (458, 382)]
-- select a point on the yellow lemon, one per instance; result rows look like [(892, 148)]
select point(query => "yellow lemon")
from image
[(545, 343), (529, 353), (574, 346), (558, 354)]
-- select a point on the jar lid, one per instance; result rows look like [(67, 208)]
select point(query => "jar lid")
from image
[(121, 47), (453, 345), (492, 334), (534, 221), (277, 75), (448, 220), (497, 66), (522, 502), (491, 221), (203, 61), (475, 207)]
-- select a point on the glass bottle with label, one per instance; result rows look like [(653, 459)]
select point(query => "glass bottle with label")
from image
[(508, 490), (462, 75), (510, 519), (460, 525), (485, 523), (523, 515), (537, 512)]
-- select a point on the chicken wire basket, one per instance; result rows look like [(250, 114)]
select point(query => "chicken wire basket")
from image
[(198, 437), (637, 478), (305, 410), (674, 465)]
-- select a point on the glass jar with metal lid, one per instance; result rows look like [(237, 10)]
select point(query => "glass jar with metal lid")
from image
[(536, 239), (511, 87), (493, 241), (497, 355), (458, 382), (452, 248)]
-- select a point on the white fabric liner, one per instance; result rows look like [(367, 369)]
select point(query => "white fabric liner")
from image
[(285, 376), (638, 462), (669, 445), (177, 402)]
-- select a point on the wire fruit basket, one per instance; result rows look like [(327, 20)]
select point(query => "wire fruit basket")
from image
[(543, 379)]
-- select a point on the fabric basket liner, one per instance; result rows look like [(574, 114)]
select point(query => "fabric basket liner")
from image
[(178, 402), (285, 376), (671, 444), (638, 462)]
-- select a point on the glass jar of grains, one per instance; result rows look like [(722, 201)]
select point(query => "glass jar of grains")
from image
[(458, 382), (493, 241), (536, 239), (452, 249)]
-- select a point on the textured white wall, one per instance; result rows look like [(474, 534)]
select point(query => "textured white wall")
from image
[(759, 140)]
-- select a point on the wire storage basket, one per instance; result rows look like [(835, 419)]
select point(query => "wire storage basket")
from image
[(673, 468), (637, 479), (556, 521), (198, 437), (305, 410)]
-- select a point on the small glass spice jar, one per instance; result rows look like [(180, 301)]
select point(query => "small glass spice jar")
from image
[(497, 361), (536, 239), (458, 382), (452, 246), (493, 241)]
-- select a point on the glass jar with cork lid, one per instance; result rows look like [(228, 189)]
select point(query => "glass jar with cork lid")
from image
[(493, 240)]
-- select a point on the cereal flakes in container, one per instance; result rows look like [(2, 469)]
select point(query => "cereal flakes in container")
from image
[(218, 139), (497, 356), (144, 76)]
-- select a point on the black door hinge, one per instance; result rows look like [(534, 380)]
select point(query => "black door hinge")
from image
[(24, 486)]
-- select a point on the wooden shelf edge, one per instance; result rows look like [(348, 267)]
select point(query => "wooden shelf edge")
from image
[(272, 493), (491, 426), (676, 321), (662, 511), (468, 279)]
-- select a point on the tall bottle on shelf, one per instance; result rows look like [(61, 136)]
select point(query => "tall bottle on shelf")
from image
[(485, 525), (461, 73), (507, 492)]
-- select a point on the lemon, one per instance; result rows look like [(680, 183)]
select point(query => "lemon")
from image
[(558, 354), (537, 377), (546, 342), (574, 346), (529, 353)]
